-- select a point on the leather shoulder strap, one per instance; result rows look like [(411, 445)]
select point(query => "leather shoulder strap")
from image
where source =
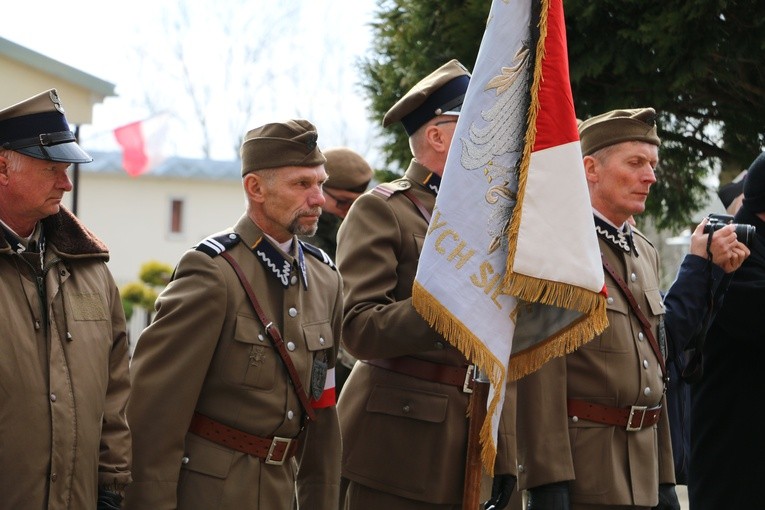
[(418, 204), (276, 338), (646, 326)]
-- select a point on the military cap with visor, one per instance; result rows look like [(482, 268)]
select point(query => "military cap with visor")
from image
[(280, 144), (37, 127), (440, 93), (617, 126)]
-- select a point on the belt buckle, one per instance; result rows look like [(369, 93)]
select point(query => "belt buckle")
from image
[(633, 410), (274, 442), (468, 379)]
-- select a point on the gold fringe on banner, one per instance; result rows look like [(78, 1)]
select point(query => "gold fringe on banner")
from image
[(449, 326)]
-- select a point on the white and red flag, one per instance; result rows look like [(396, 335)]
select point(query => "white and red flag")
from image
[(143, 144), (510, 271)]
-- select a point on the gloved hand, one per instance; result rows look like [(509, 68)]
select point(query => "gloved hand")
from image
[(553, 496), (667, 497), (501, 489), (108, 500)]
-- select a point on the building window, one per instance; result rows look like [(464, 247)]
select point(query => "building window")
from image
[(176, 216)]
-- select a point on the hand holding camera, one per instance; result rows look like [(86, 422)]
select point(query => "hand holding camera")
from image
[(729, 244)]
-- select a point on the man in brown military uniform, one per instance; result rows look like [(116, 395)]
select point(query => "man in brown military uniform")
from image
[(594, 432), (403, 409), (233, 400)]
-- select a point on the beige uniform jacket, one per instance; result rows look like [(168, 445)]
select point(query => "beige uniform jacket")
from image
[(401, 435), (63, 431), (206, 351), (607, 465)]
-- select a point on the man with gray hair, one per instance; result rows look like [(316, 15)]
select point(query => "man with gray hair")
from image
[(64, 439), (594, 430), (233, 406)]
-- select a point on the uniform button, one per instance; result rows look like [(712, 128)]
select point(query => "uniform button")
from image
[(647, 391), (260, 337), (53, 477), (293, 279), (641, 336), (290, 415), (575, 419), (645, 363), (633, 277), (406, 409), (291, 346), (439, 345), (610, 300), (521, 468), (292, 312), (52, 397), (321, 340), (185, 460), (232, 236)]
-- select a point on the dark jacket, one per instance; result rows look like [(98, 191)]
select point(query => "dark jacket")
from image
[(727, 441)]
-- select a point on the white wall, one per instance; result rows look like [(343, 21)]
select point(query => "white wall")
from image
[(132, 215)]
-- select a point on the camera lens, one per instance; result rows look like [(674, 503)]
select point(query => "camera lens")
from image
[(745, 233)]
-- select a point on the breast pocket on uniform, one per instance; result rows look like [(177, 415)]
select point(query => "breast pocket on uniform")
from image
[(251, 360), (655, 302), (318, 336)]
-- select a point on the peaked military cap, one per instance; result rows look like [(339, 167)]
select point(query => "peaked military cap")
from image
[(289, 143), (439, 93), (347, 170), (38, 128), (618, 126)]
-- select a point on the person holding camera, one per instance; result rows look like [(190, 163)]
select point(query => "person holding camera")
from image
[(594, 431), (726, 438)]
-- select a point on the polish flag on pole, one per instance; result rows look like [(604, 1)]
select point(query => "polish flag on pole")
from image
[(510, 269), (142, 144)]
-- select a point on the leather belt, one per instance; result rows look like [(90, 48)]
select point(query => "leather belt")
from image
[(632, 418), (273, 450), (462, 377)]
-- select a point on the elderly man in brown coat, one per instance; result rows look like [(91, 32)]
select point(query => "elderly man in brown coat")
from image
[(64, 439), (233, 405), (404, 406)]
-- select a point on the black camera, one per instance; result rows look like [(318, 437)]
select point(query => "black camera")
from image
[(744, 232)]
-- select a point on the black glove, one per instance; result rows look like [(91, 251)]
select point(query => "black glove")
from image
[(667, 497), (501, 490), (108, 500), (553, 496)]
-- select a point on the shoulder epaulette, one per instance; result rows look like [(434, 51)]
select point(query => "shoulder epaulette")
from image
[(387, 189), (318, 253), (215, 245)]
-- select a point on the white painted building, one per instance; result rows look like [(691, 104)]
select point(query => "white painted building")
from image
[(156, 216)]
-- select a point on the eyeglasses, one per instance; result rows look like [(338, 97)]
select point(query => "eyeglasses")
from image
[(340, 202)]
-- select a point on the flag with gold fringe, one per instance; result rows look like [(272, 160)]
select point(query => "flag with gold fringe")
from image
[(510, 271)]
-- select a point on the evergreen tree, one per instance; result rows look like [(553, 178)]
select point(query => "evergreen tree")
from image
[(698, 62)]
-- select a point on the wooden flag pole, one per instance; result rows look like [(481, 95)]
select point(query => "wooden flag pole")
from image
[(473, 465)]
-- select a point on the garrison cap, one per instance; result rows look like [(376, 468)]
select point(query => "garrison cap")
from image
[(289, 143), (37, 127), (618, 126), (439, 93), (347, 170)]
